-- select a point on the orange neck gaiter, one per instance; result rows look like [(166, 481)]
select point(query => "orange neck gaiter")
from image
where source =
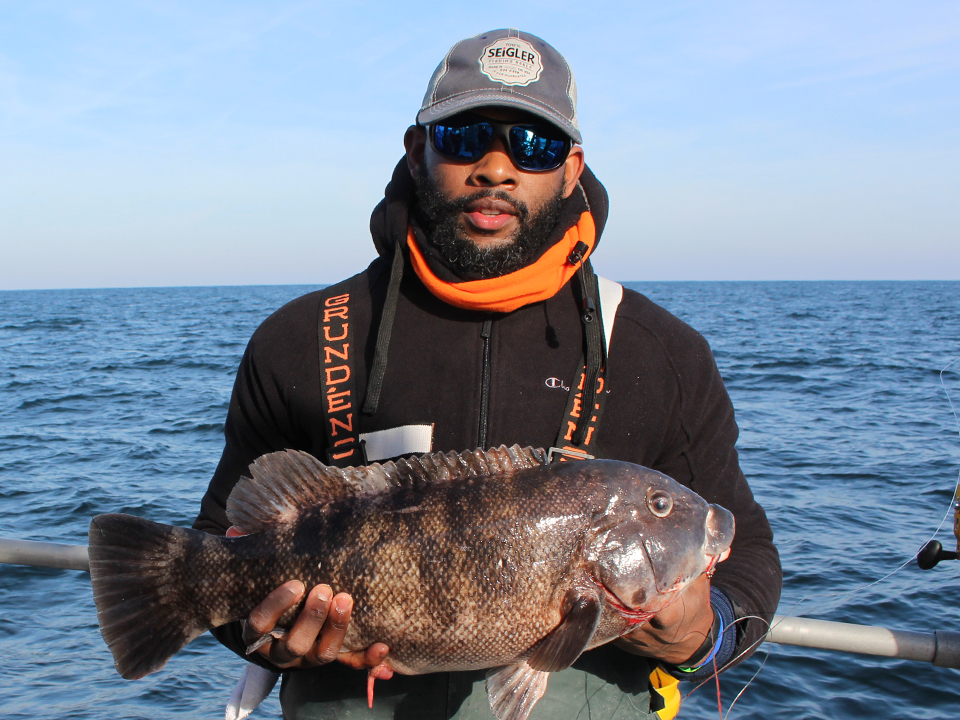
[(533, 283)]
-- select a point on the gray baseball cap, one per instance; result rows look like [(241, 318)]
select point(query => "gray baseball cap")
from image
[(503, 68)]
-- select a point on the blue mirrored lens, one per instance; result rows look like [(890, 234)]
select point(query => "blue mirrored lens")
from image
[(535, 150), (532, 147), (464, 142)]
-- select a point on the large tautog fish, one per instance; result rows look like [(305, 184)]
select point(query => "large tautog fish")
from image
[(455, 561)]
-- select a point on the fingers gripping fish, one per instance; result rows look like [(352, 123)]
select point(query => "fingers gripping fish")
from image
[(483, 559)]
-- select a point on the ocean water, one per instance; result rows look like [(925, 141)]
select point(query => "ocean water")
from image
[(113, 401)]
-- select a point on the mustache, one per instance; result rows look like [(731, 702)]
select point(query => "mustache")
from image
[(463, 203), (435, 207)]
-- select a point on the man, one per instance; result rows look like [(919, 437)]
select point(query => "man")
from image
[(480, 325)]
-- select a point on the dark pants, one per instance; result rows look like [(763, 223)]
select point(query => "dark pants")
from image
[(604, 684)]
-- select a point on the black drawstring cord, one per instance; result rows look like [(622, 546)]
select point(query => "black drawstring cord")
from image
[(553, 340), (379, 368), (593, 335), (576, 255)]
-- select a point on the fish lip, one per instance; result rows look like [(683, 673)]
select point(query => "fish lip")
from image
[(502, 207), (681, 582), (719, 530), (634, 616), (712, 564)]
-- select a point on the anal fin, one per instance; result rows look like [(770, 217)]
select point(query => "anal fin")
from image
[(254, 686), (514, 690), (561, 648)]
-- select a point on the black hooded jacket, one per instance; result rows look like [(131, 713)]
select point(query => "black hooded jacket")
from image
[(666, 409)]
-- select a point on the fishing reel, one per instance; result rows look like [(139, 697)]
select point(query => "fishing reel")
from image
[(933, 551)]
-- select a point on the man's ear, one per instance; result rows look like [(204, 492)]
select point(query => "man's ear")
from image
[(415, 141), (572, 169)]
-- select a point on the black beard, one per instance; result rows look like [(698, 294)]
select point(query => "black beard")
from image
[(440, 217)]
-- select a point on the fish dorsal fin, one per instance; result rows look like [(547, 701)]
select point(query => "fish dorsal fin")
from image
[(443, 467), (282, 483)]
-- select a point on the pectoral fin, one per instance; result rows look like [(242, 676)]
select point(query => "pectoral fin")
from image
[(561, 648), (514, 690)]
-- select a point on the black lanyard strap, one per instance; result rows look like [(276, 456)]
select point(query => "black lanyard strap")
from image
[(581, 419), (338, 387)]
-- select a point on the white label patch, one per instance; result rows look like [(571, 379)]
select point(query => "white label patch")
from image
[(511, 61), (403, 440)]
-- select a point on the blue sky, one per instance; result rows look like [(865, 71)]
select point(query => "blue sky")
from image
[(202, 143)]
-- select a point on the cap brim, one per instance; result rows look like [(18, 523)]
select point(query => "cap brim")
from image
[(493, 98)]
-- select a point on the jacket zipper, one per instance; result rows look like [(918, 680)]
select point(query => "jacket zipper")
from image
[(485, 332)]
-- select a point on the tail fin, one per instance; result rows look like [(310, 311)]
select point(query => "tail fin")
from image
[(136, 568)]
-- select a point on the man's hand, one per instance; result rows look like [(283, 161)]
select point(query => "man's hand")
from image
[(317, 633), (678, 631)]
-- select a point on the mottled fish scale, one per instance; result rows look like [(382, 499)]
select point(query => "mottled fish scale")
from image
[(409, 556), (442, 554)]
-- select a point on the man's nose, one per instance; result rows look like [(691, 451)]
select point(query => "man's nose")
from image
[(495, 168)]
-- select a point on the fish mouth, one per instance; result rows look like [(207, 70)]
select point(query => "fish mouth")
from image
[(633, 616)]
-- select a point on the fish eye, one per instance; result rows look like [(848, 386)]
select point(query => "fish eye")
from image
[(659, 503)]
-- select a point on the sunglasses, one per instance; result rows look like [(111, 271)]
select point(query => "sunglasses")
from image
[(533, 147)]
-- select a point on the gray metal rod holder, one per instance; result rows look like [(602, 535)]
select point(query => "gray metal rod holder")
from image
[(44, 554), (942, 647)]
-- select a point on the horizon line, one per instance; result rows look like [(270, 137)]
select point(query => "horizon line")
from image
[(321, 285)]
